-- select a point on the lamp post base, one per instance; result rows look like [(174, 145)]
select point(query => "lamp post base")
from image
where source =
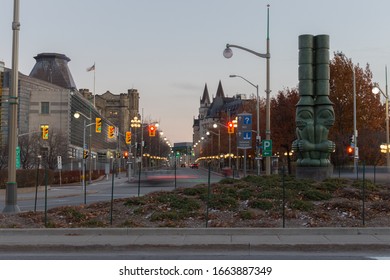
[(10, 203)]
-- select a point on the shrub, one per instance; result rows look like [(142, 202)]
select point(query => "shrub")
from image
[(178, 202), (301, 205), (245, 194), (223, 202), (135, 201), (261, 204), (247, 215), (316, 195), (169, 215), (195, 191), (227, 181), (26, 178)]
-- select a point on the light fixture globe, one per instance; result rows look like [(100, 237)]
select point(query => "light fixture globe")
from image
[(76, 115), (375, 90), (228, 53)]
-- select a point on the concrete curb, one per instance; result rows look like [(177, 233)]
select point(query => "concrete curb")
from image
[(197, 238), (197, 231)]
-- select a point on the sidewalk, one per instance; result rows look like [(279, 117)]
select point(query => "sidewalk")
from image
[(293, 238)]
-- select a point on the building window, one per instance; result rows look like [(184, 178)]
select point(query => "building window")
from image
[(45, 108)]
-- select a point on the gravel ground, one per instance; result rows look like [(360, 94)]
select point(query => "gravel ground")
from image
[(239, 203)]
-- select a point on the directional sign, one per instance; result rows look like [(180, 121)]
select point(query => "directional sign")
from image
[(17, 157), (247, 135), (244, 122), (267, 148), (244, 139)]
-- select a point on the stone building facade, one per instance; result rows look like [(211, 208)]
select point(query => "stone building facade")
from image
[(119, 109), (49, 96)]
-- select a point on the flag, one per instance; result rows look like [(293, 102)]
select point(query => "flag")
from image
[(92, 68)]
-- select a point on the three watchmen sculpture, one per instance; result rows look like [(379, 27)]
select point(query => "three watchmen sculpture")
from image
[(314, 111)]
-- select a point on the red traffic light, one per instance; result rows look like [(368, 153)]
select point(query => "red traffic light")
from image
[(152, 130), (230, 127), (350, 150)]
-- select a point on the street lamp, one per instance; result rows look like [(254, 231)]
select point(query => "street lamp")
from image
[(228, 53), (11, 205), (219, 140), (376, 89), (77, 115), (258, 138), (135, 123)]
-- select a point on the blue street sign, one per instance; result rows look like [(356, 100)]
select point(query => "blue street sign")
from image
[(247, 135), (244, 122), (247, 119)]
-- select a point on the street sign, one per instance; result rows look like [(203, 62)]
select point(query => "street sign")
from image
[(17, 157), (267, 148), (244, 121), (244, 133), (244, 139)]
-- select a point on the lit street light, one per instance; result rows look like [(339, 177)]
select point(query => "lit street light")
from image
[(77, 115), (376, 89), (228, 53), (258, 138)]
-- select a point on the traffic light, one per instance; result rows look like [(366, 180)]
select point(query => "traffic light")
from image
[(350, 151), (111, 131), (128, 137), (230, 127), (126, 154), (85, 154), (98, 123), (152, 130), (45, 132)]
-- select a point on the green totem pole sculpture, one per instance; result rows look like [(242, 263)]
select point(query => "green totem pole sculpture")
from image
[(314, 111)]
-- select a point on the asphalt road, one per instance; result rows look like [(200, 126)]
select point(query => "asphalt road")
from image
[(189, 254), (105, 188)]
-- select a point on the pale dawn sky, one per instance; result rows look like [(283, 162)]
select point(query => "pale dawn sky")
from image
[(169, 49)]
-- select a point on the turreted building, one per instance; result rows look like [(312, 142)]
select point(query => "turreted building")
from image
[(217, 111)]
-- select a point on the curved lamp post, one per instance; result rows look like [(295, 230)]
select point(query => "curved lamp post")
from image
[(376, 89), (77, 115), (258, 138), (11, 205), (228, 53)]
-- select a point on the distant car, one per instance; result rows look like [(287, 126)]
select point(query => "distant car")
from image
[(194, 166), (183, 165)]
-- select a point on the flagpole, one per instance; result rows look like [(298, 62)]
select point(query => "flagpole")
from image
[(94, 83)]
